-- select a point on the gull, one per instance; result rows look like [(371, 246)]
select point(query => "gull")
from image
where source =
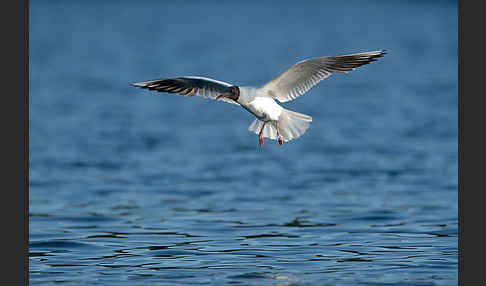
[(271, 120)]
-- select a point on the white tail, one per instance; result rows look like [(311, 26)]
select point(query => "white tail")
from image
[(291, 126)]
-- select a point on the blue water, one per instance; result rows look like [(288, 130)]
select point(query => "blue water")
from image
[(133, 187)]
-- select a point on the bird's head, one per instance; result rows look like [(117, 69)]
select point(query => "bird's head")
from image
[(232, 93)]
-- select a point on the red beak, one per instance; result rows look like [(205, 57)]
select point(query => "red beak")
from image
[(222, 95)]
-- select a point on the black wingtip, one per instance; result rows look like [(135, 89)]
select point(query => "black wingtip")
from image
[(379, 55)]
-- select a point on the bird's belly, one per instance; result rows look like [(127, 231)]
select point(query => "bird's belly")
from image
[(264, 108)]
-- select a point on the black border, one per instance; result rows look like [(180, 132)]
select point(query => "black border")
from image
[(15, 123), (471, 159)]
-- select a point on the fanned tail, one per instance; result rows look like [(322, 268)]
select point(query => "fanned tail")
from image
[(291, 126)]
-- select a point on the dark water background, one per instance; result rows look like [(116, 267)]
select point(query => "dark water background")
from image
[(131, 187)]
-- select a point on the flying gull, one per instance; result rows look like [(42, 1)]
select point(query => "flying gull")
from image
[(271, 120)]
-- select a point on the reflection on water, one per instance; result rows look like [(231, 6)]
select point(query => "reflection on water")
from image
[(129, 187)]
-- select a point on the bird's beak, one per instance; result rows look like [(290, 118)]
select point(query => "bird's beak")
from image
[(227, 95)]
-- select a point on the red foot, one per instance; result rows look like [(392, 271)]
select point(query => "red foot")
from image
[(280, 141), (260, 139)]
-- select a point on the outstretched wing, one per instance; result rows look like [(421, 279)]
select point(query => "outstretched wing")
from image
[(188, 86), (302, 76)]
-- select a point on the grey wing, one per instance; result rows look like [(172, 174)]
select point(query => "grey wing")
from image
[(189, 86), (302, 76)]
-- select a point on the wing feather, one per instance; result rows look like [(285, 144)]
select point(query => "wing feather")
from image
[(302, 76), (188, 86)]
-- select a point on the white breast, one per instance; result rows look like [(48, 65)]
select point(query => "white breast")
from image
[(265, 108)]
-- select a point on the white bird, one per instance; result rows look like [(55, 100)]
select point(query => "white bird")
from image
[(281, 124)]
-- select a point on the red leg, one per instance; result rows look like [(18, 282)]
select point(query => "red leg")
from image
[(260, 136), (280, 141)]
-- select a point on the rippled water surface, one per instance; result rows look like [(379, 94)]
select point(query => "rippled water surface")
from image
[(131, 187)]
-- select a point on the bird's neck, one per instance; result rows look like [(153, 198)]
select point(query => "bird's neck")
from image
[(247, 94)]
